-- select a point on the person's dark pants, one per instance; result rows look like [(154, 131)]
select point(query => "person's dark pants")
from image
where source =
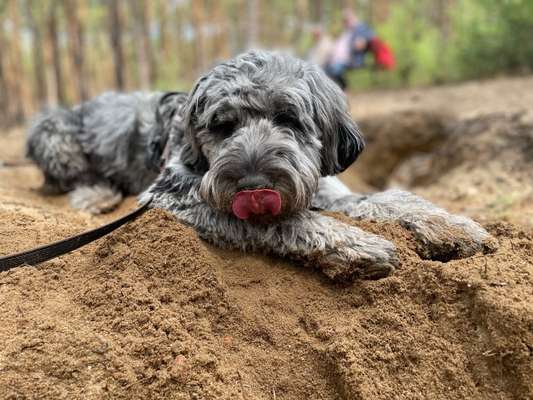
[(336, 72)]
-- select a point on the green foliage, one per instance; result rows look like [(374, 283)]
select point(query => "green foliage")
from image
[(434, 41), (475, 39), (494, 36)]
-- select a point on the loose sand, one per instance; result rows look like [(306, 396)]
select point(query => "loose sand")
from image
[(151, 311)]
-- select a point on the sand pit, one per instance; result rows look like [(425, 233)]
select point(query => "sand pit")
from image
[(151, 311), (480, 166)]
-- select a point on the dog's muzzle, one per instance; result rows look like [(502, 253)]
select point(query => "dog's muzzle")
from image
[(256, 202)]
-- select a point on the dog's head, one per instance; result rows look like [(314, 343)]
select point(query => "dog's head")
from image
[(262, 129)]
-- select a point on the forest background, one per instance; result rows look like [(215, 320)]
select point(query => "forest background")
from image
[(65, 51)]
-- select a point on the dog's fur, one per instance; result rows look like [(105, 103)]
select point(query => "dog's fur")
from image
[(261, 120), (97, 151)]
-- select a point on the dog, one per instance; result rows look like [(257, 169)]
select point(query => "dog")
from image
[(97, 151), (247, 158)]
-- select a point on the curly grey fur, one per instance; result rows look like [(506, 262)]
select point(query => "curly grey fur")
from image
[(101, 142), (439, 234), (261, 120), (267, 120)]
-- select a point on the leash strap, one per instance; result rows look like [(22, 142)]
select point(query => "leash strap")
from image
[(56, 249)]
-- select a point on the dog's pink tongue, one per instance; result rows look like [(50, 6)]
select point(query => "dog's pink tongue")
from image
[(256, 202)]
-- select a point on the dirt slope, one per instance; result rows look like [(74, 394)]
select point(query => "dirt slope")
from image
[(481, 166), (151, 311)]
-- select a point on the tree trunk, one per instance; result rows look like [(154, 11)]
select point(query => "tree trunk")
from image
[(115, 22), (76, 46), (317, 10), (37, 52), (4, 114), (3, 100), (164, 42), (299, 15), (221, 37), (184, 48), (53, 38), (17, 73), (146, 65), (253, 24), (199, 47)]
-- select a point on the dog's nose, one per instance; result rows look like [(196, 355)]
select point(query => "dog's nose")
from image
[(253, 182)]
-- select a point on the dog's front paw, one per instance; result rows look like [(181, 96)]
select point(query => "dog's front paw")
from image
[(367, 257), (439, 235), (445, 237)]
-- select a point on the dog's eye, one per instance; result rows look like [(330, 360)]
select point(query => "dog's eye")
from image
[(287, 120), (224, 128)]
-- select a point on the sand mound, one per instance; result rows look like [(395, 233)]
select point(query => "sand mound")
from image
[(481, 166), (502, 139), (395, 137), (153, 311)]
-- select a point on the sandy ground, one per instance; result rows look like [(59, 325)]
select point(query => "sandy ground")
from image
[(151, 311), (468, 99)]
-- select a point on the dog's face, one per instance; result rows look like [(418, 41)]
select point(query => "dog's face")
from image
[(262, 129)]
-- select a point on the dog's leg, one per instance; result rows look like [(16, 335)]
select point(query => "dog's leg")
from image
[(330, 189), (341, 251), (440, 235), (96, 199)]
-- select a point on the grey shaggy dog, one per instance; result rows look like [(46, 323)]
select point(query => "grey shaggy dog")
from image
[(97, 151), (249, 156)]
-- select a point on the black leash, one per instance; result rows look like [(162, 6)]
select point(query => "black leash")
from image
[(56, 249)]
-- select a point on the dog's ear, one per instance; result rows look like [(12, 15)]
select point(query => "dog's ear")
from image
[(191, 154), (160, 133), (342, 141), (193, 158)]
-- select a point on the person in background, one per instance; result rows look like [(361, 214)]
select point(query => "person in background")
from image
[(320, 53), (350, 48)]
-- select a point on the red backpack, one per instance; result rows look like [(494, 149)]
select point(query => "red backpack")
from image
[(383, 55)]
